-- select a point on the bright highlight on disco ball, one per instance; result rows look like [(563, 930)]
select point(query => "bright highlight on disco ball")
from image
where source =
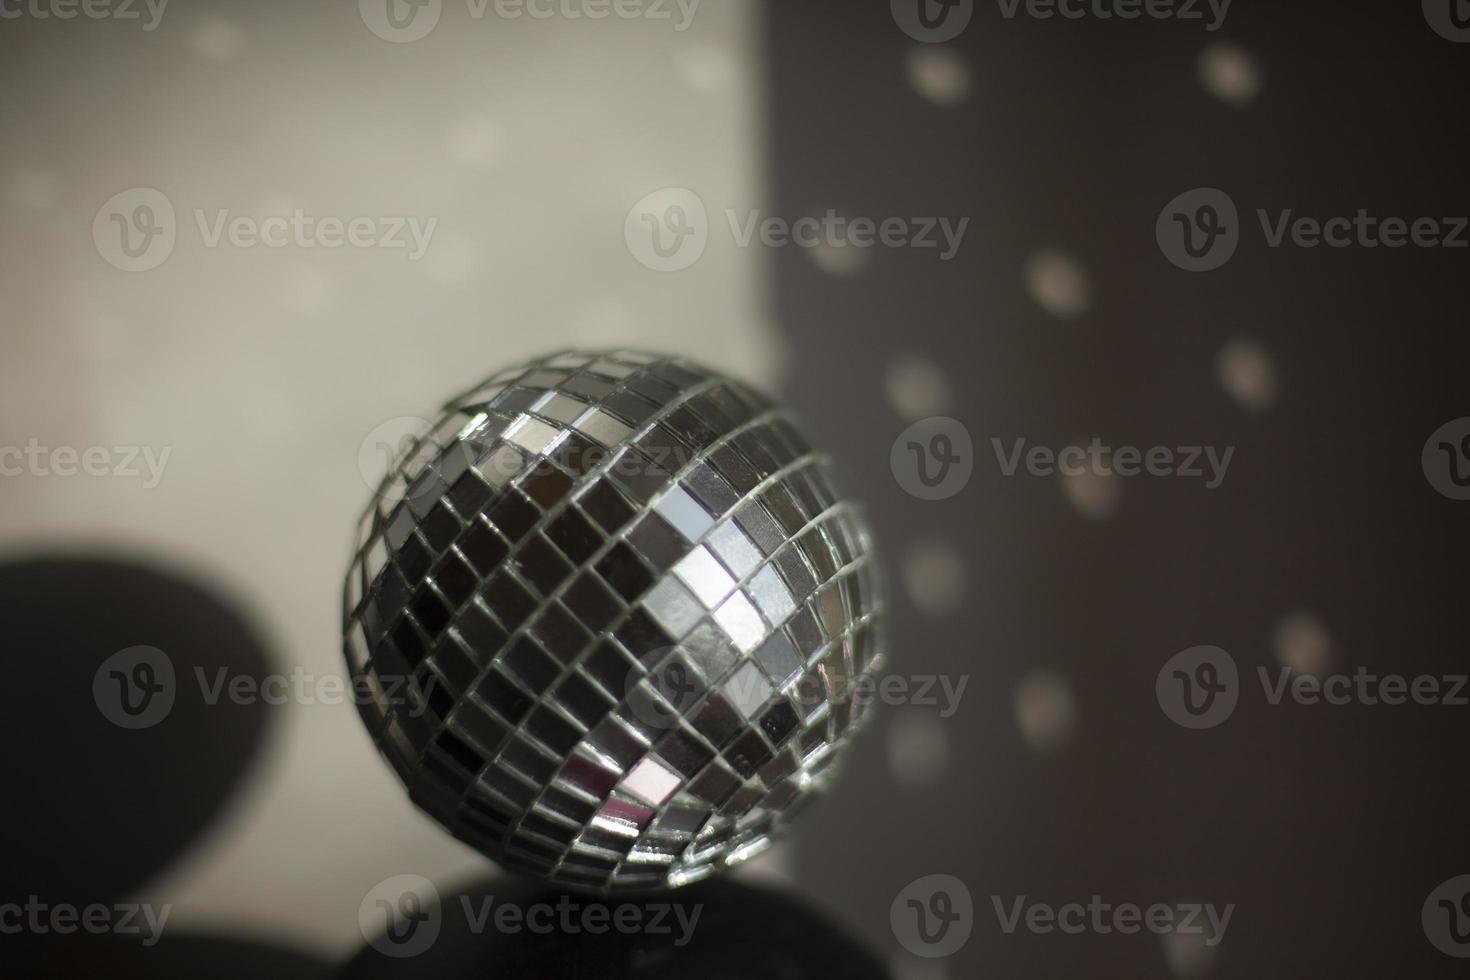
[(613, 619)]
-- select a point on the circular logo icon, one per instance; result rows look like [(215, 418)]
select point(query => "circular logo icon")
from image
[(933, 916), (135, 229), (1198, 687), (400, 21), (810, 691), (667, 230), (135, 688), (1450, 19), (1446, 459), (932, 21), (400, 916), (933, 458), (1446, 917), (384, 449), (1199, 230), (677, 687)]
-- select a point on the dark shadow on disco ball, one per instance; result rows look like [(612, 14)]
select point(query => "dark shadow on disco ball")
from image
[(741, 932), (185, 957), (114, 756)]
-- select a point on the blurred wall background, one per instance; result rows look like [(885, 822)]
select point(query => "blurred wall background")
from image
[(1065, 136), (264, 371)]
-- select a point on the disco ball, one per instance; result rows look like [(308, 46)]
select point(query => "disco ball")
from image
[(612, 620)]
